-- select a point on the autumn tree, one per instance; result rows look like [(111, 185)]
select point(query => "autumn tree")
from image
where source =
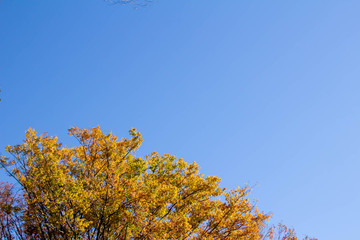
[(100, 189)]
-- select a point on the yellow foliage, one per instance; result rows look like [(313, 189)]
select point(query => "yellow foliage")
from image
[(101, 190)]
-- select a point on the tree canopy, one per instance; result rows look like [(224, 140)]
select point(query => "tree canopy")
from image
[(100, 189)]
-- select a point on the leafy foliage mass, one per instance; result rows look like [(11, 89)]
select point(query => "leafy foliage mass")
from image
[(102, 190)]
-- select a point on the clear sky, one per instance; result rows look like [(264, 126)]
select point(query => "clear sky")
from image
[(257, 92)]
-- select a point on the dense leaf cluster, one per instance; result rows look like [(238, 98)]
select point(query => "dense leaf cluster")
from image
[(100, 189)]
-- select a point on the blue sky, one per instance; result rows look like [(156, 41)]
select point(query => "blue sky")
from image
[(257, 92)]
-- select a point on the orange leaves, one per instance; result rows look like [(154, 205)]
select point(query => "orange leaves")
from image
[(101, 190)]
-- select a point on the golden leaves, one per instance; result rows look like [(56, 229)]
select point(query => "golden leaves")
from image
[(101, 190)]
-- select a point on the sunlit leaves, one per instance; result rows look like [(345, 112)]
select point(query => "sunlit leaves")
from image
[(101, 190)]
